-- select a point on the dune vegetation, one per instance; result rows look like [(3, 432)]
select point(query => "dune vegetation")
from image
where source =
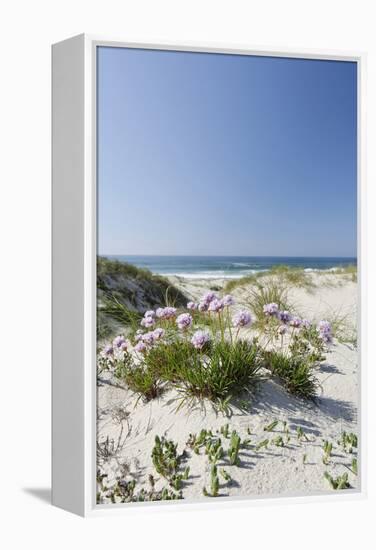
[(291, 277), (124, 291), (215, 360), (214, 354)]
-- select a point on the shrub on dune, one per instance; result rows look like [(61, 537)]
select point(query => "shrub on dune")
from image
[(228, 371), (294, 371), (204, 356), (168, 360)]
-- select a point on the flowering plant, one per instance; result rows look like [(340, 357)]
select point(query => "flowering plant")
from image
[(200, 352)]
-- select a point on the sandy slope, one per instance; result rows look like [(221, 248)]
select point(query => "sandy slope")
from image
[(330, 294), (276, 470)]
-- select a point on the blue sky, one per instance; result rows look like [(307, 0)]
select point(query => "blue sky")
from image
[(225, 155)]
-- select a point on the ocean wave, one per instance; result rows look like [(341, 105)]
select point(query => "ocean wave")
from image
[(213, 274), (222, 274)]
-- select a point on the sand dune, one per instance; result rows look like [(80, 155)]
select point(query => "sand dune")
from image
[(295, 468)]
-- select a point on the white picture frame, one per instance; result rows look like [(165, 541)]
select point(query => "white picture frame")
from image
[(74, 271)]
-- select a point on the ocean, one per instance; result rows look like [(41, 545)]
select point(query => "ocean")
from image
[(229, 267)]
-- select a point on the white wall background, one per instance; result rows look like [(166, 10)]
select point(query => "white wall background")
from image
[(27, 30)]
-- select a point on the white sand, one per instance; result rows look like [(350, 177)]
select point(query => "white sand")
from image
[(276, 470), (331, 294)]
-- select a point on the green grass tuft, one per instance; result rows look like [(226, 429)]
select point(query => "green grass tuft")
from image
[(140, 380), (231, 370), (125, 291), (262, 294), (295, 373), (232, 284), (279, 274)]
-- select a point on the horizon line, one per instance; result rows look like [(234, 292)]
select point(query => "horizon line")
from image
[(224, 255)]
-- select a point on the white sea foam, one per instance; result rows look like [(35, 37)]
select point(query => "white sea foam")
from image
[(221, 274), (213, 274)]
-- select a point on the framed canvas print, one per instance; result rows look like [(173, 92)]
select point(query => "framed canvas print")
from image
[(206, 275)]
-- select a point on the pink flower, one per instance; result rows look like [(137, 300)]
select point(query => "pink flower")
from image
[(147, 322), (295, 322), (284, 316), (271, 309), (325, 331), (200, 339), (216, 305), (184, 321), (166, 312), (192, 305), (202, 306), (170, 312), (324, 326), (118, 341), (158, 333), (108, 350), (125, 346), (160, 312), (140, 347), (149, 313), (327, 338), (148, 338), (208, 297), (228, 300), (242, 319)]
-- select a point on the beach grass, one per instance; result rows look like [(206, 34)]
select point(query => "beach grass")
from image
[(350, 270), (169, 374), (220, 373), (282, 274), (271, 291), (113, 308), (204, 356), (155, 286), (295, 372), (124, 291), (231, 370), (292, 276), (142, 381), (232, 284), (170, 362), (343, 330)]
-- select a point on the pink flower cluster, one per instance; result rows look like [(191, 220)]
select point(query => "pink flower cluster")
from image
[(146, 340), (184, 321), (324, 329), (211, 302), (216, 305), (108, 351), (166, 313), (120, 343), (163, 313), (284, 316), (295, 322), (140, 347), (200, 339), (148, 320), (242, 319), (272, 310)]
